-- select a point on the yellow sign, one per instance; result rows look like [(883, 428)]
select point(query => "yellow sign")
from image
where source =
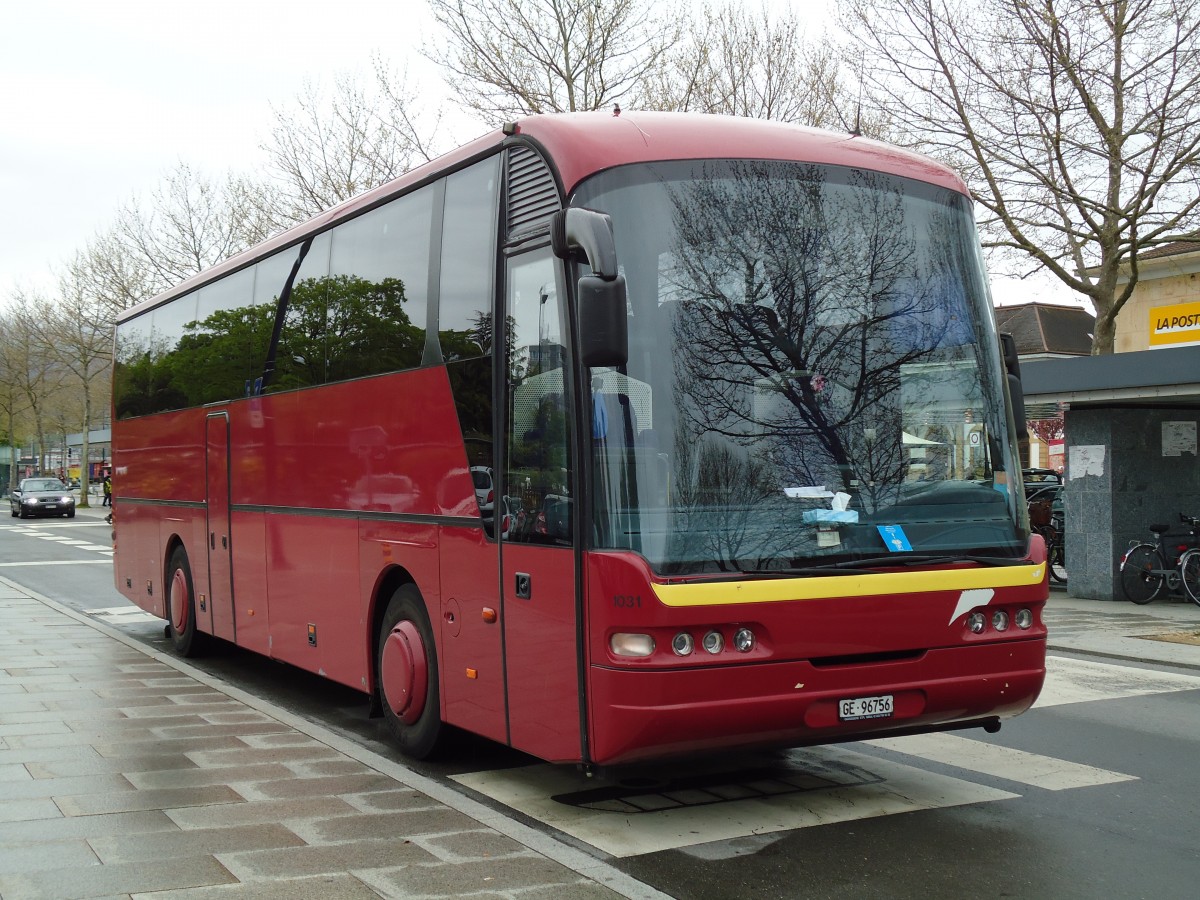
[(1174, 326)]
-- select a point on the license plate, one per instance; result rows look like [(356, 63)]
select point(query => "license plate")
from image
[(866, 708), (51, 506)]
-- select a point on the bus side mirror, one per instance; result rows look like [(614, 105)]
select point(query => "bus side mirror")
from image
[(603, 324), (1016, 393)]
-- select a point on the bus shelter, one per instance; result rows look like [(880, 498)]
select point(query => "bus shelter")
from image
[(1131, 424)]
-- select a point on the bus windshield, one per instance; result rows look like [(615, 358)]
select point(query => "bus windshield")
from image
[(813, 379)]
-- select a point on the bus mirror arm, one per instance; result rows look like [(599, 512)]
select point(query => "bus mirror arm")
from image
[(603, 315), (1016, 393), (574, 229)]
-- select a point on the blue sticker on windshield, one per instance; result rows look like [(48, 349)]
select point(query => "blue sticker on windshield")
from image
[(894, 537)]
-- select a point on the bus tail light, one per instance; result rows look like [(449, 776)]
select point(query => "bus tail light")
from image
[(632, 645)]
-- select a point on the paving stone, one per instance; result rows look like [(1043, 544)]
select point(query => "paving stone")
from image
[(436, 819), (330, 858), (180, 745), (42, 855), (293, 812), (149, 762), (318, 887), (65, 827), (194, 842), (446, 880), (389, 801), (316, 787), (197, 777), (10, 772), (161, 798), (580, 890), (95, 881), (64, 787), (473, 845), (208, 729), (252, 755), (24, 810), (336, 766)]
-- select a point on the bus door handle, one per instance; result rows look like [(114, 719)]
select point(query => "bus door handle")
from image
[(212, 541), (524, 585)]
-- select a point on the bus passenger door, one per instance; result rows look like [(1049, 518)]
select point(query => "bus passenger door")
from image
[(537, 558), (220, 570)]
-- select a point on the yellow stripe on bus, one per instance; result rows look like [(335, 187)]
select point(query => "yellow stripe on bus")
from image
[(774, 590)]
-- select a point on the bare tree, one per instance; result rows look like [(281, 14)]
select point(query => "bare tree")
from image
[(13, 403), (34, 374), (325, 150), (761, 65), (1076, 123), (76, 330), (508, 58), (193, 222)]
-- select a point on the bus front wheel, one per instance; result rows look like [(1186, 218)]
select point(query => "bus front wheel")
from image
[(407, 675), (181, 605)]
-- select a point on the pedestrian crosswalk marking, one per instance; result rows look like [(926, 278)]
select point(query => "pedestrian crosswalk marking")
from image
[(895, 788), (1033, 769), (1070, 680), (683, 813)]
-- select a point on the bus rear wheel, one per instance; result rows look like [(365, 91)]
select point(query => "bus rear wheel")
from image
[(181, 605), (407, 675)]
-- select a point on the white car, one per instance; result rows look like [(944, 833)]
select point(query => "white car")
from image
[(484, 492)]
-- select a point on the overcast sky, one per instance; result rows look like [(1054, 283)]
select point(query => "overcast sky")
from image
[(101, 98)]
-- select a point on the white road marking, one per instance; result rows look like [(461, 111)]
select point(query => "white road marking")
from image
[(1079, 681), (1001, 762), (59, 562), (626, 820), (894, 788)]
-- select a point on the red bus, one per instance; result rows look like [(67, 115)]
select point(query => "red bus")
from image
[(607, 437)]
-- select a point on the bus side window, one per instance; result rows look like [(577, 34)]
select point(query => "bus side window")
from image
[(537, 474)]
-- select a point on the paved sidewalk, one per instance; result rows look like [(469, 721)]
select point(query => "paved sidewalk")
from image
[(124, 773), (1119, 629)]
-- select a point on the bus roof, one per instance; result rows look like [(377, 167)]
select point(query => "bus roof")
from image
[(582, 144)]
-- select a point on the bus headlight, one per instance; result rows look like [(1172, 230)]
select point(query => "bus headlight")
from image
[(1000, 620), (713, 642), (975, 622), (1023, 618), (634, 645), (743, 640), (683, 644)]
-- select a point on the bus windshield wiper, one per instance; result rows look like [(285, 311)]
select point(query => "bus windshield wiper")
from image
[(875, 563)]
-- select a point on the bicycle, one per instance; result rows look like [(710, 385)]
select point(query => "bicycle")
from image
[(1048, 522), (1056, 548), (1172, 560)]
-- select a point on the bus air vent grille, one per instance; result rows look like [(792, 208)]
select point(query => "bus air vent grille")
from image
[(532, 193)]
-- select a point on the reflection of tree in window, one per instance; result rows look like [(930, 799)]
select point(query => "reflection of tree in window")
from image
[(802, 311)]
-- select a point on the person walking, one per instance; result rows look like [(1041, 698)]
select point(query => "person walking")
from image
[(107, 491)]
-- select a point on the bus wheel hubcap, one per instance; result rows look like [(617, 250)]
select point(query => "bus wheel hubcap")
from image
[(404, 672), (179, 601)]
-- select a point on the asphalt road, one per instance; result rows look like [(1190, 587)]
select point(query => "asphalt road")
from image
[(1091, 794)]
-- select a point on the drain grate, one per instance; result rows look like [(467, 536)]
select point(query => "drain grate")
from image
[(632, 796)]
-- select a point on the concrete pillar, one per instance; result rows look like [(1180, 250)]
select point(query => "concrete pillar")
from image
[(1127, 468)]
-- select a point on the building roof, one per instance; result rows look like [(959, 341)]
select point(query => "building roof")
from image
[(1043, 330), (1159, 377), (1172, 249)]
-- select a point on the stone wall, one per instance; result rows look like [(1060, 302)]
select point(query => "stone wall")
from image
[(1119, 482)]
